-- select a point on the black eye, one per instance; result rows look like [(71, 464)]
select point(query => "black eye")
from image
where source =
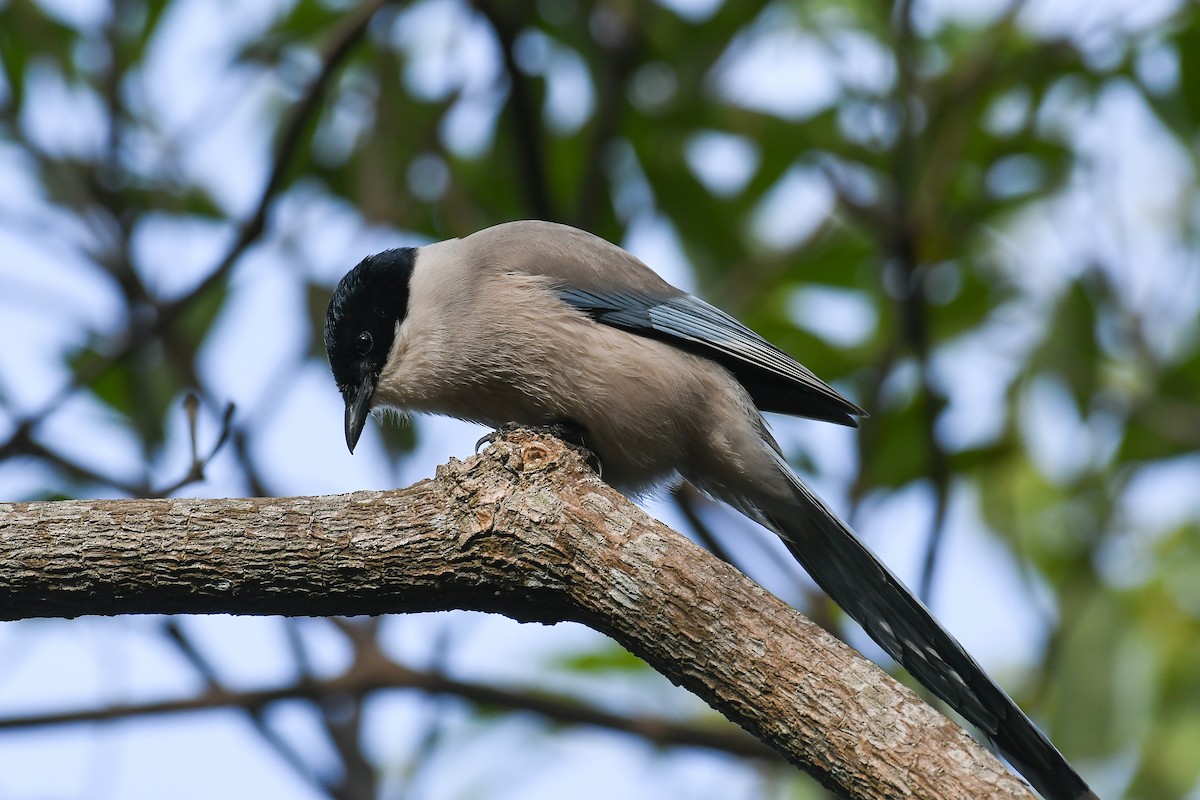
[(363, 343)]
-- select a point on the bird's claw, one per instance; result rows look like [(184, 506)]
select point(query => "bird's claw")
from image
[(492, 436), (573, 436)]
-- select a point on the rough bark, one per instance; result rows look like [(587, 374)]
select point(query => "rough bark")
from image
[(526, 530)]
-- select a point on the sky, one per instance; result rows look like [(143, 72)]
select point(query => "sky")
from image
[(256, 358)]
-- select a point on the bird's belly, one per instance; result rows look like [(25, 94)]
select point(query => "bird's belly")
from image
[(637, 444)]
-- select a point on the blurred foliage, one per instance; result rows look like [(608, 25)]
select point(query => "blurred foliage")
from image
[(950, 158)]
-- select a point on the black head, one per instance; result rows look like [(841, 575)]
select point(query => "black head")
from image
[(367, 305)]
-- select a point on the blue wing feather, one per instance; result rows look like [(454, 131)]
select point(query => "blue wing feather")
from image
[(775, 381)]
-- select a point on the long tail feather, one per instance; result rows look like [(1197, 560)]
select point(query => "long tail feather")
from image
[(868, 591)]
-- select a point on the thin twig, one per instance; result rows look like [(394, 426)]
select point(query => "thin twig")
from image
[(523, 111), (195, 471), (249, 232), (341, 712), (620, 58), (376, 676), (216, 688), (685, 497), (434, 723), (904, 251), (78, 471)]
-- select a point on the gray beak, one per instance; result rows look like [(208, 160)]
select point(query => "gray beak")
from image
[(358, 406)]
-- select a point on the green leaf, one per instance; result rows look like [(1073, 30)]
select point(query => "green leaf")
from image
[(316, 303), (136, 387), (1165, 422), (896, 442), (197, 317), (610, 658), (398, 434), (1069, 349)]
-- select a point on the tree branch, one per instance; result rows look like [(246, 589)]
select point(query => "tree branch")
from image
[(382, 675), (525, 530)]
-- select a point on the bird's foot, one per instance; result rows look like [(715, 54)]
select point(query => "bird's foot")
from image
[(572, 435), (500, 430)]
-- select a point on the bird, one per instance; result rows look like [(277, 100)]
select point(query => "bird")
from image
[(540, 324)]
